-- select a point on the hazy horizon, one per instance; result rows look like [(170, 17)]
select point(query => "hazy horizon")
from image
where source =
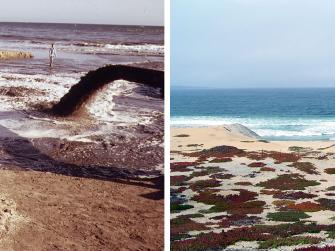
[(109, 12), (258, 43), (4, 22)]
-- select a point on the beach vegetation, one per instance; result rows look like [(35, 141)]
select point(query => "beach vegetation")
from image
[(203, 184), (242, 203), (257, 164), (315, 248), (181, 225), (175, 207), (220, 160), (179, 180), (243, 183), (332, 188), (327, 203), (306, 206), (305, 167), (293, 195), (182, 136), (299, 149), (287, 216), (267, 169), (288, 182), (182, 166), (330, 170), (223, 176), (291, 241)]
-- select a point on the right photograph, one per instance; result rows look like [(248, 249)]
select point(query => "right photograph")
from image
[(252, 125)]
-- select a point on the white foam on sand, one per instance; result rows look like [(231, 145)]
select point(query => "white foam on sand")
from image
[(105, 109)]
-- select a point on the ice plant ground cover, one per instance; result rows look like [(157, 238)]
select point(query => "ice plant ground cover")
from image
[(226, 197)]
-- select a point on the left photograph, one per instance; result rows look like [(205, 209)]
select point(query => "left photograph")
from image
[(82, 125)]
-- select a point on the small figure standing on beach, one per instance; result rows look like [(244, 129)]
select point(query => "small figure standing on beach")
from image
[(52, 54)]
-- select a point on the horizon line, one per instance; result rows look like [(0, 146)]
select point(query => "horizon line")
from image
[(256, 87), (145, 25)]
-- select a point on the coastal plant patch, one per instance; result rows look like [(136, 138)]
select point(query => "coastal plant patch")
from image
[(223, 176), (330, 170), (217, 152), (179, 180), (257, 164), (175, 208), (194, 145), (279, 157), (315, 248), (217, 241), (288, 182), (199, 173), (220, 160), (203, 184), (291, 241), (299, 149), (243, 183), (238, 220), (242, 203), (182, 136), (327, 203), (331, 234), (270, 192), (306, 206), (182, 225), (289, 216), (182, 166), (267, 169), (283, 203), (306, 167), (293, 195)]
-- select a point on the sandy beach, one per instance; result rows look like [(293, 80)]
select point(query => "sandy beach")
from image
[(231, 189)]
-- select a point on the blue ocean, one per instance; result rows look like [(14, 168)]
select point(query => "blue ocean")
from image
[(274, 114)]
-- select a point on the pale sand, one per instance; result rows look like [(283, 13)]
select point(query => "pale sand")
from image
[(15, 55), (219, 135)]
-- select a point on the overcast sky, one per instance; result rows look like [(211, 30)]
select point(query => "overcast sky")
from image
[(138, 12), (253, 43)]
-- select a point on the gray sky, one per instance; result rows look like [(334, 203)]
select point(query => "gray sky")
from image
[(253, 43), (138, 12)]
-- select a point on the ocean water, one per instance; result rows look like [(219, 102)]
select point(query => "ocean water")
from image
[(274, 114), (80, 47)]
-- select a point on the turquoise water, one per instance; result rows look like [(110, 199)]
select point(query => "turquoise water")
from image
[(274, 114)]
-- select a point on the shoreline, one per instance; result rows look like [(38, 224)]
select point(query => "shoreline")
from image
[(206, 133)]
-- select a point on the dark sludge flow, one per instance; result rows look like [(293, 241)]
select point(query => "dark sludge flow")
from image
[(95, 80)]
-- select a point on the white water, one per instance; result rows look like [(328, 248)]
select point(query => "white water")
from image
[(270, 127)]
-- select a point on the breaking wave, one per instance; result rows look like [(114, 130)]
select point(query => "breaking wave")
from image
[(273, 128)]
